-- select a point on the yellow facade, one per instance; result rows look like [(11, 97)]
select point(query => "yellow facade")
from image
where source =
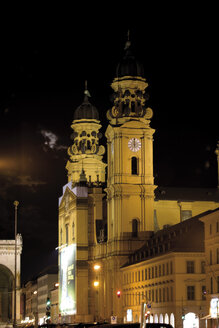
[(161, 283), (132, 212), (211, 222)]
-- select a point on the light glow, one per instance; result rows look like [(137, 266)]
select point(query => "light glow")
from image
[(96, 267), (96, 283)]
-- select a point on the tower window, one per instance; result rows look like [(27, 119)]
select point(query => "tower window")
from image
[(134, 165), (134, 228), (66, 234), (73, 231)]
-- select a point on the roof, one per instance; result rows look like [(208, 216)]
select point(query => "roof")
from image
[(186, 236), (187, 194)]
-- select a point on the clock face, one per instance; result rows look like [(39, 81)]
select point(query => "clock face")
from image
[(134, 144)]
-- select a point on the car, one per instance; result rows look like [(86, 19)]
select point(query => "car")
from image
[(158, 325)]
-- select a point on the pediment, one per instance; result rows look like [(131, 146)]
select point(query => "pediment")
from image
[(67, 196)]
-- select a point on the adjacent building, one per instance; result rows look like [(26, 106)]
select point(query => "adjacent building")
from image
[(211, 223), (165, 280), (10, 254)]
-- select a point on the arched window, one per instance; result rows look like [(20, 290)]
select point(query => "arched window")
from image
[(134, 165), (73, 231), (66, 233), (134, 228)]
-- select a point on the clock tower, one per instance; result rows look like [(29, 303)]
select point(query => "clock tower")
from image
[(130, 182)]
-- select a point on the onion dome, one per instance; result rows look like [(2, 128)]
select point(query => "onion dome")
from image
[(129, 65), (86, 110)]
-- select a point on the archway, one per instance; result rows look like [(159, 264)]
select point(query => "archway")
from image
[(166, 318), (6, 293), (161, 318), (155, 318), (172, 320), (191, 321)]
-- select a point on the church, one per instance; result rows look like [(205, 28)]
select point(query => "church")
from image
[(105, 218)]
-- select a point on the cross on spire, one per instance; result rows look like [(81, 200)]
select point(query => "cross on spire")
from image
[(128, 42)]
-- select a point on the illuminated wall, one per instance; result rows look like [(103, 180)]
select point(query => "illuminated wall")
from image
[(67, 295)]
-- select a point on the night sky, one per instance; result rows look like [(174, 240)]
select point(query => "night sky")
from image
[(45, 58)]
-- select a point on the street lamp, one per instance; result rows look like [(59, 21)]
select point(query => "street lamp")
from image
[(96, 268), (16, 203)]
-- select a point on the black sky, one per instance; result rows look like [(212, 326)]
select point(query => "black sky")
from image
[(45, 58)]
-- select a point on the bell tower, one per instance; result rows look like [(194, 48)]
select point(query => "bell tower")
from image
[(85, 152), (130, 181)]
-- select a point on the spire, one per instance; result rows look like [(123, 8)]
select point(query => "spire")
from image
[(86, 93), (128, 42)]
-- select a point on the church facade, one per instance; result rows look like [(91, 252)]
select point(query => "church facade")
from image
[(102, 223)]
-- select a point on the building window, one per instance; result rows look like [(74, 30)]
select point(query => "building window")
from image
[(217, 227), (171, 267), (217, 256), (134, 228), (171, 293), (190, 266), (159, 270), (152, 272), (149, 273), (211, 284), (210, 229), (190, 293), (145, 274), (66, 234), (203, 293), (164, 295), (142, 275), (163, 269), (134, 165), (167, 266), (202, 266), (156, 272), (210, 257), (73, 231), (167, 294), (160, 297)]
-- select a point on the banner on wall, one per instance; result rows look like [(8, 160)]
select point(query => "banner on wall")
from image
[(67, 285)]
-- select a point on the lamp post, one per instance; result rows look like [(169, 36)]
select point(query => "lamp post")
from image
[(16, 203)]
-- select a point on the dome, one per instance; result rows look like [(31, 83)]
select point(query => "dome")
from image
[(86, 111), (129, 66)]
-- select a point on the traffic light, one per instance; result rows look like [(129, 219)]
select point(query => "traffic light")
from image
[(183, 316), (118, 293), (48, 308)]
